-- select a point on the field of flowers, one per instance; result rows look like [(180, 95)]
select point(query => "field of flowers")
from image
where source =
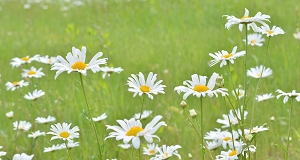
[(149, 79)]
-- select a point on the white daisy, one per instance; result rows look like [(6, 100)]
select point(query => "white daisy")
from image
[(264, 97), (52, 148), (16, 62), (224, 56), (229, 155), (125, 146), (259, 72), (231, 118), (32, 72), (42, 120), (2, 153), (22, 125), (240, 93), (198, 87), (256, 129), (9, 114), (132, 130), (70, 144), (76, 62), (22, 156), (288, 95), (255, 39), (139, 86), (165, 152), (145, 114), (47, 60), (151, 149), (34, 95), (223, 138), (246, 19), (213, 144), (270, 32), (110, 70), (100, 118), (15, 85), (36, 134), (63, 131)]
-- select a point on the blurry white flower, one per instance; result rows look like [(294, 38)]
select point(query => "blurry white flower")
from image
[(151, 149), (2, 153), (47, 60), (52, 148), (231, 118), (15, 85), (297, 34), (70, 144), (240, 93), (32, 72), (43, 120), (125, 146), (255, 39), (109, 70), (225, 57), (36, 134), (256, 129), (145, 114), (271, 32), (22, 156), (288, 95), (259, 72), (16, 62), (138, 85), (22, 125), (9, 114), (165, 152), (34, 95), (100, 118), (264, 97)]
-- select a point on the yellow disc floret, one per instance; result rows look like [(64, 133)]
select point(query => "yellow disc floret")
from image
[(200, 88), (227, 55), (64, 134), (79, 65), (145, 88), (25, 59), (31, 72), (134, 131), (233, 153)]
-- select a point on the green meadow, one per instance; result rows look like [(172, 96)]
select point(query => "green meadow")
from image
[(172, 38)]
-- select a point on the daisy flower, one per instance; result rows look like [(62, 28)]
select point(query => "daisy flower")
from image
[(150, 150), (288, 95), (246, 19), (63, 131), (15, 85), (165, 152), (34, 95), (259, 72), (229, 155), (52, 148), (255, 39), (36, 134), (9, 114), (231, 118), (224, 56), (76, 62), (109, 70), (22, 156), (32, 72), (125, 146), (132, 130), (297, 35), (70, 144), (139, 86), (2, 153), (100, 118), (271, 32), (264, 97), (16, 62), (240, 93), (22, 125), (198, 87), (212, 145), (42, 120), (223, 138), (256, 129), (47, 60), (145, 114)]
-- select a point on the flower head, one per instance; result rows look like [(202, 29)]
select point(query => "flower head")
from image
[(109, 70), (138, 85), (16, 62), (297, 34), (22, 125), (259, 72), (264, 97), (43, 120), (76, 62), (22, 156), (151, 149), (32, 72), (100, 118), (63, 131), (165, 152), (247, 20), (145, 114), (2, 153), (47, 60), (36, 134), (125, 146), (231, 119), (224, 56), (70, 144), (256, 129), (52, 148), (255, 39), (198, 87), (132, 130), (271, 32), (15, 85), (240, 93), (288, 95), (34, 95), (9, 114)]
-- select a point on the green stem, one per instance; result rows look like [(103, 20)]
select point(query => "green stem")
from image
[(90, 118), (201, 128), (143, 97), (68, 150), (289, 131), (230, 75)]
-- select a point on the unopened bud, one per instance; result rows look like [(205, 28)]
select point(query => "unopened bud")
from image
[(193, 113), (190, 156), (248, 137), (183, 104), (220, 82)]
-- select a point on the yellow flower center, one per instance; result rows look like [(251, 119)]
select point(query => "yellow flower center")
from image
[(79, 65), (64, 134), (258, 75), (233, 153), (145, 89), (200, 88), (227, 139), (25, 59), (50, 61), (253, 41), (227, 55), (15, 83), (31, 72), (244, 17), (152, 151), (240, 94), (254, 130), (270, 32), (134, 131)]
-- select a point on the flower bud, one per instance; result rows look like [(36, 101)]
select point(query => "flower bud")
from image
[(193, 113), (183, 104), (220, 82)]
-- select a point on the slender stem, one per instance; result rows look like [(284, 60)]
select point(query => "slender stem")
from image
[(68, 150), (90, 117), (143, 97), (233, 87), (234, 111), (289, 132), (139, 150), (201, 127)]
